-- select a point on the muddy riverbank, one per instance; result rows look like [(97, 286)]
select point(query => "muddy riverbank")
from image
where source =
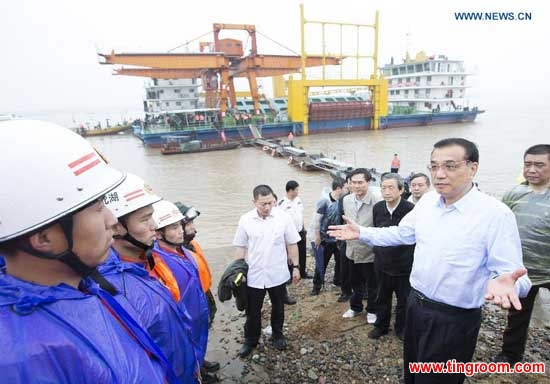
[(325, 348)]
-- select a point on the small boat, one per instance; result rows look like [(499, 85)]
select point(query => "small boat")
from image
[(115, 130), (181, 144)]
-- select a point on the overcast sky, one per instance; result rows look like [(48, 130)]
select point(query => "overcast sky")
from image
[(49, 61)]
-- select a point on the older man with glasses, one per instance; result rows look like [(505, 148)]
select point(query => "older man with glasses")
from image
[(467, 250)]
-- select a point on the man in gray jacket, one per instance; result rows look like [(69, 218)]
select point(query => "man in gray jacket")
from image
[(358, 206)]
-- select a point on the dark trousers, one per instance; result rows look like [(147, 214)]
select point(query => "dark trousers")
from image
[(253, 324), (438, 333), (362, 273), (387, 285), (345, 269), (302, 252), (515, 333), (329, 249)]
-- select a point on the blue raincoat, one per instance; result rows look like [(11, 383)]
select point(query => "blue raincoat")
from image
[(166, 322), (192, 296), (63, 335)]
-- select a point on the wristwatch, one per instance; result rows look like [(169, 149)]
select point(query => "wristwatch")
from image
[(295, 267)]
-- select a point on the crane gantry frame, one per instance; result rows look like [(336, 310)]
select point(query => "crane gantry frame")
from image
[(217, 69)]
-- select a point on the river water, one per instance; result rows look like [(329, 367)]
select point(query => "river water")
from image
[(219, 184)]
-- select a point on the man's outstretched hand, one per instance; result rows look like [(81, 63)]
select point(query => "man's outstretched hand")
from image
[(502, 289), (348, 231)]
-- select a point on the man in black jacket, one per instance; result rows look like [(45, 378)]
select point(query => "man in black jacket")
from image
[(393, 264)]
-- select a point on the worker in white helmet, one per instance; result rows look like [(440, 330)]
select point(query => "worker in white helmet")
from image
[(134, 243), (129, 270), (59, 320)]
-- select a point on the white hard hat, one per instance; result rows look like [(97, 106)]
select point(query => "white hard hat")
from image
[(130, 196), (166, 213), (47, 172)]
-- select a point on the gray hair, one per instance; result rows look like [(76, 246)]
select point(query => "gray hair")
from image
[(393, 176)]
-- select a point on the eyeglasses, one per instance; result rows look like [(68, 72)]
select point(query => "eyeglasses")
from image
[(449, 166)]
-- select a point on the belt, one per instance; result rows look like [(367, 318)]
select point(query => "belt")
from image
[(422, 300)]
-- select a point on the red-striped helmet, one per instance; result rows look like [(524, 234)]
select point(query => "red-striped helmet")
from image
[(47, 172), (130, 196)]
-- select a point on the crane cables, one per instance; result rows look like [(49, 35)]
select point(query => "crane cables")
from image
[(276, 42), (189, 41)]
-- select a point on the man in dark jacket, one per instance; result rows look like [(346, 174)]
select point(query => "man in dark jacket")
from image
[(393, 264)]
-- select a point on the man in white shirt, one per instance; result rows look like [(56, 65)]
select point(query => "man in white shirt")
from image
[(292, 205), (266, 238), (468, 250)]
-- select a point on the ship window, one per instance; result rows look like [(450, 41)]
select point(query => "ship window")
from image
[(416, 92), (329, 99), (429, 78), (340, 98), (397, 92), (426, 66), (316, 100), (177, 90), (399, 81), (167, 104), (278, 101), (249, 102), (352, 98), (391, 92), (418, 79), (418, 67), (178, 103), (395, 71), (406, 91), (161, 91)]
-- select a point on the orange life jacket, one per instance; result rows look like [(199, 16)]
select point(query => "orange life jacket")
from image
[(161, 272), (204, 270)]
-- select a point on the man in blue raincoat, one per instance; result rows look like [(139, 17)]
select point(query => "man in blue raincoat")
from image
[(163, 319), (58, 319)]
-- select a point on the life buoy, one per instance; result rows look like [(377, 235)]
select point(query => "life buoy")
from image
[(290, 160), (265, 148)]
